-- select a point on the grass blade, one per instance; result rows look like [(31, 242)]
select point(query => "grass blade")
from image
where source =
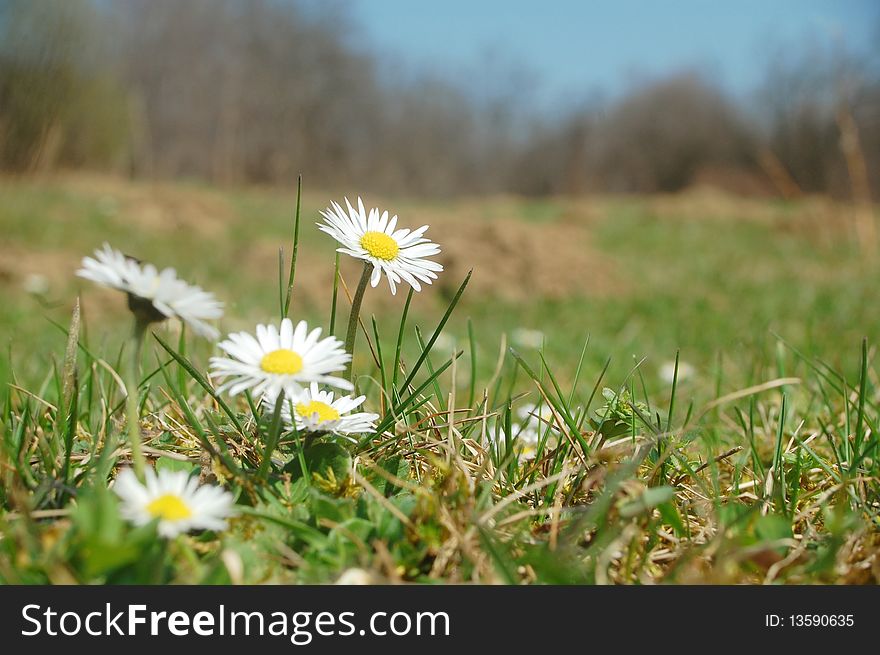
[(291, 276), (439, 328)]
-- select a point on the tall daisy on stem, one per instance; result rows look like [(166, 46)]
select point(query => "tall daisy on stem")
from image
[(401, 254), (153, 296)]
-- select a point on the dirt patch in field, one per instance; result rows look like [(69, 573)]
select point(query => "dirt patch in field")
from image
[(46, 279), (513, 260), (706, 202), (817, 219), (314, 270), (28, 269), (165, 208), (517, 261), (170, 211)]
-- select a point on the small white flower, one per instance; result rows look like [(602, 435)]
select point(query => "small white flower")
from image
[(667, 371), (400, 254), (153, 295), (535, 417), (533, 423), (356, 577), (36, 284), (280, 360), (316, 411), (525, 441), (176, 499), (527, 338), (444, 343)]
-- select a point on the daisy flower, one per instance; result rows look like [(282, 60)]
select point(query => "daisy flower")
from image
[(400, 254), (316, 411), (280, 360), (535, 417), (533, 423), (528, 338), (175, 499), (667, 372), (153, 295), (527, 444), (525, 441)]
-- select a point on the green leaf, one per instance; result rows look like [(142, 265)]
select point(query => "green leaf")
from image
[(773, 527), (96, 515), (320, 457), (669, 514), (650, 498), (353, 528), (169, 464)]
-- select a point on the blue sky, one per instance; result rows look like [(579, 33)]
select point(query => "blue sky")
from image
[(573, 47)]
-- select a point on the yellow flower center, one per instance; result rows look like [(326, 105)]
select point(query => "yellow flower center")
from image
[(281, 362), (380, 245), (324, 411), (169, 508)]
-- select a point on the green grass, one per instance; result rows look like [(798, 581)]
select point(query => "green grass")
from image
[(759, 465)]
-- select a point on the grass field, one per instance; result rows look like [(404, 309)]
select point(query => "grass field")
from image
[(752, 460)]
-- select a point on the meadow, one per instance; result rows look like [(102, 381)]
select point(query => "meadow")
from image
[(703, 365)]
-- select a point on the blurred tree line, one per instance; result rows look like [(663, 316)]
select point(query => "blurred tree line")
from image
[(256, 91)]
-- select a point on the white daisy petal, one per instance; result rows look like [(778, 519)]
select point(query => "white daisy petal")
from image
[(316, 411), (276, 360), (175, 499), (373, 237), (534, 422), (157, 294)]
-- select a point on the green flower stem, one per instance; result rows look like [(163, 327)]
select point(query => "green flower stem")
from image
[(131, 401), (353, 318), (157, 573)]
